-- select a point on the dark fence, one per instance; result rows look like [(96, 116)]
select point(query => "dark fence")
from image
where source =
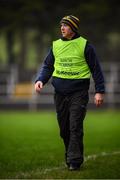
[(17, 89)]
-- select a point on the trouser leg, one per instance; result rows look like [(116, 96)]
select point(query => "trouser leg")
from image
[(62, 110), (77, 115)]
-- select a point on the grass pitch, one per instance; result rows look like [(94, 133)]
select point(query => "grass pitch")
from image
[(30, 146)]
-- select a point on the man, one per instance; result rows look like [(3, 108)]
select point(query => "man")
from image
[(70, 62)]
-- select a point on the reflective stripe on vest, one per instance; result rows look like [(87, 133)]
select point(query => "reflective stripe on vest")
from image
[(70, 62)]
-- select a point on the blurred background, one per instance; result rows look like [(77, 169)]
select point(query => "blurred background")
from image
[(27, 29)]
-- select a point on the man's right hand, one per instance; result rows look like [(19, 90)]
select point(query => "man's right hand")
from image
[(38, 86)]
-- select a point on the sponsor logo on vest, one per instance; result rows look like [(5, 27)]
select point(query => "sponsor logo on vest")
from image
[(67, 73)]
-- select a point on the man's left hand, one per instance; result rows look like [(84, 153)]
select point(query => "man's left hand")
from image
[(98, 99)]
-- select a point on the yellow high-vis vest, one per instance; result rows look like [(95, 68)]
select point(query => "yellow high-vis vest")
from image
[(70, 61)]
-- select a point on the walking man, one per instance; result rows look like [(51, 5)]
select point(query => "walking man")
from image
[(70, 62)]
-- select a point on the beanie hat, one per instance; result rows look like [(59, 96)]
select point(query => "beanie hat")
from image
[(71, 21)]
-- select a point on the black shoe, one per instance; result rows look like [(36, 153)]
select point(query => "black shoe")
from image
[(74, 167)]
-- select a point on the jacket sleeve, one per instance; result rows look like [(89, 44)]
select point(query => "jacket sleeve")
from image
[(95, 68), (47, 68)]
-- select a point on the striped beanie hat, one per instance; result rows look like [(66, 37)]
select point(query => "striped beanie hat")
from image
[(71, 21)]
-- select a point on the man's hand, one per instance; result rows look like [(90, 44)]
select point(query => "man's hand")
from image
[(98, 99), (38, 86)]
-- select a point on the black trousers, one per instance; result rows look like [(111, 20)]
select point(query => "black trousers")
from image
[(71, 111)]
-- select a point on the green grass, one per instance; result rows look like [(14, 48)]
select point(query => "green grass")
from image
[(30, 146)]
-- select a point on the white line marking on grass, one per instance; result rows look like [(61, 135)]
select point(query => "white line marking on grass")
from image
[(94, 156), (89, 157), (63, 165)]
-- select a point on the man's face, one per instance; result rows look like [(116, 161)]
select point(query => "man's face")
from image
[(66, 31)]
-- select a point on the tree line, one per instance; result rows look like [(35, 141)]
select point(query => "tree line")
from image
[(98, 22)]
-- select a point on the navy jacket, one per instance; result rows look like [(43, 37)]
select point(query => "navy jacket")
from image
[(66, 86)]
